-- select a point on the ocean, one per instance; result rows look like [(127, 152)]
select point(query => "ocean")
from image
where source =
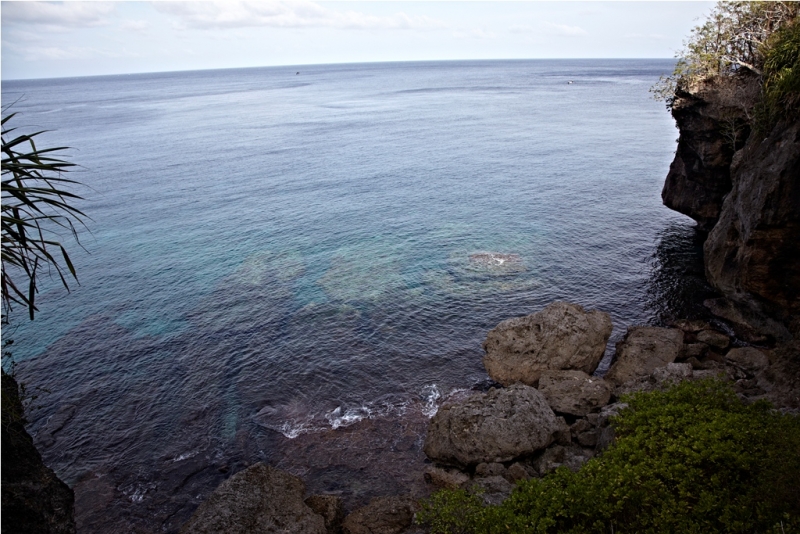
[(297, 265)]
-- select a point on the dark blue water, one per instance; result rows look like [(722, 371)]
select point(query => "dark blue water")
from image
[(277, 254)]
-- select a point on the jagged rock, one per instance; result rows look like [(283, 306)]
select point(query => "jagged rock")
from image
[(588, 438), (517, 472), (258, 499), (643, 349), (34, 500), (750, 359), (331, 508), (715, 339), (581, 425), (672, 373), (383, 515), (561, 336), (610, 411), (712, 116), (445, 478), (752, 255), (571, 456), (574, 392), (691, 326), (493, 469), (694, 350), (494, 489), (497, 426), (749, 321)]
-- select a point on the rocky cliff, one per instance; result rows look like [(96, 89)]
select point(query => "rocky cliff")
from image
[(744, 189), (34, 499)]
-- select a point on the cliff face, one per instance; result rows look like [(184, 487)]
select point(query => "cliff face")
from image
[(752, 255), (34, 499), (712, 119), (748, 200)]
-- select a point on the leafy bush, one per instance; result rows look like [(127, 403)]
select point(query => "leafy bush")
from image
[(694, 459), (782, 76), (735, 36)]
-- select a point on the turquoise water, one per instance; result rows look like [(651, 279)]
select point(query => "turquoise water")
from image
[(282, 252)]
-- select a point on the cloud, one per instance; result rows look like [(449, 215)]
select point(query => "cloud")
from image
[(563, 29), (520, 28), (60, 15), (294, 14), (474, 33), (135, 25)]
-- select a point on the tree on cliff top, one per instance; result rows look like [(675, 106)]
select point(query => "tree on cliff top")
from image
[(735, 37), (36, 207)]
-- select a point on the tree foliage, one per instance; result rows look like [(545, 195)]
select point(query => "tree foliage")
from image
[(37, 207), (735, 36), (694, 459)]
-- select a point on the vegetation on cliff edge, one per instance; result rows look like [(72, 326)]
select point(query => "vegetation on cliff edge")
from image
[(738, 37), (693, 459)]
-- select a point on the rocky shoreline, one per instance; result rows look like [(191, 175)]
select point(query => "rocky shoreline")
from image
[(547, 415)]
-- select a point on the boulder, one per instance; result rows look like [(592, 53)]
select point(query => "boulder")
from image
[(750, 359), (497, 426), (493, 469), (445, 478), (672, 373), (561, 336), (574, 392), (258, 499), (570, 456), (331, 508), (383, 515), (714, 339), (643, 349)]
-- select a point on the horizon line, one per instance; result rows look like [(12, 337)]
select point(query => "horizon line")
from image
[(292, 66)]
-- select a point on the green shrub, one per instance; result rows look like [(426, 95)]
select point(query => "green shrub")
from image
[(693, 459), (781, 90)]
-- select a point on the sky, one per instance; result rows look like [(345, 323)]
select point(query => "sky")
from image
[(59, 39)]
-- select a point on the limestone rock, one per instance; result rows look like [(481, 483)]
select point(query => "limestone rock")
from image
[(517, 472), (707, 114), (574, 392), (34, 499), (752, 255), (672, 373), (493, 489), (571, 456), (750, 359), (445, 478), (383, 515), (331, 508), (644, 349), (493, 469), (561, 336), (714, 339), (258, 499), (497, 426)]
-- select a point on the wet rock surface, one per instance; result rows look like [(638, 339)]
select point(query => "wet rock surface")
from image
[(494, 427), (643, 349), (258, 499), (561, 336)]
